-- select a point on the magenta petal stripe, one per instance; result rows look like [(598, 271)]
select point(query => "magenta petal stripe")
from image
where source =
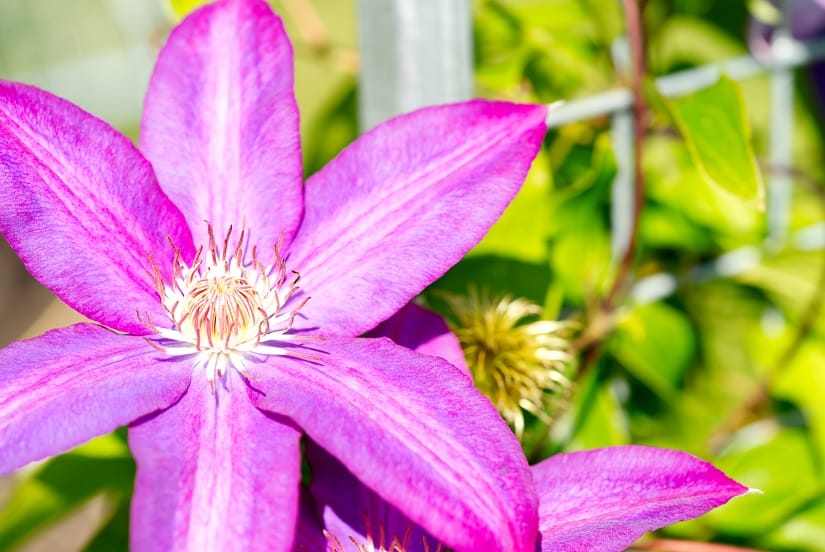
[(603, 500), (405, 202), (75, 383), (215, 474), (220, 124), (82, 209), (413, 429)]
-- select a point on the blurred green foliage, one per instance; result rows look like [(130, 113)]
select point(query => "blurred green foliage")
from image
[(728, 362)]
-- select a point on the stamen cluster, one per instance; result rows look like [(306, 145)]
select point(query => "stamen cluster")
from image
[(382, 544), (224, 308)]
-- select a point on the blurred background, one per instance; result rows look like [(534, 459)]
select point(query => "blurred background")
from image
[(713, 341)]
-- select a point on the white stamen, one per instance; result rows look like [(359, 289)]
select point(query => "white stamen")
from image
[(224, 309)]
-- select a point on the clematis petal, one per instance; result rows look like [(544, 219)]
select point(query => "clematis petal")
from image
[(71, 384), (414, 429), (310, 535), (352, 511), (604, 499), (82, 208), (220, 124), (424, 331), (349, 509), (214, 473), (403, 203)]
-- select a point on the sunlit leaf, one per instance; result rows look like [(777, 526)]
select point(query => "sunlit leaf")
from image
[(803, 382), (684, 40), (182, 8), (523, 231), (805, 531), (674, 181), (63, 484), (714, 123), (667, 228)]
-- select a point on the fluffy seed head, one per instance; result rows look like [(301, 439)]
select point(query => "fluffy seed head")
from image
[(522, 363)]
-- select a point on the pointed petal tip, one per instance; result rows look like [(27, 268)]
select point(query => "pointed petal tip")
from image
[(606, 498), (366, 248), (221, 123), (532, 114), (82, 208), (72, 384)]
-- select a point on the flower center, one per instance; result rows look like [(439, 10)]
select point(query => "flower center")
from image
[(383, 543), (223, 312), (225, 309)]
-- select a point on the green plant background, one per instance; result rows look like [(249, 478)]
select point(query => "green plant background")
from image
[(731, 368)]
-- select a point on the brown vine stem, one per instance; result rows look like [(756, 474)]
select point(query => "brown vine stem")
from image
[(633, 17), (673, 545), (601, 324), (315, 35)]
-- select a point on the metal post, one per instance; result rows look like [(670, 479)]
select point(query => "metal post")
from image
[(413, 53), (623, 137)]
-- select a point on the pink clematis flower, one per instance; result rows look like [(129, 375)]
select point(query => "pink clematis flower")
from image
[(186, 254), (597, 501)]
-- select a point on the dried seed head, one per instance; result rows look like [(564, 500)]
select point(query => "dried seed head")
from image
[(522, 363)]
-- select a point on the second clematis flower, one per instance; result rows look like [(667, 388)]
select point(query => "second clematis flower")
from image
[(598, 500), (227, 296)]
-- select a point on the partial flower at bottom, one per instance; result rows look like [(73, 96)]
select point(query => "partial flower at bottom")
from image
[(598, 500)]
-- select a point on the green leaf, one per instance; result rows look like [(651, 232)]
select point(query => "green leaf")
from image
[(333, 128), (670, 170), (607, 16), (62, 485), (182, 8), (778, 461), (599, 418), (714, 124), (682, 41), (804, 531), (655, 343), (523, 231), (581, 255), (499, 274), (114, 535), (802, 381), (665, 227)]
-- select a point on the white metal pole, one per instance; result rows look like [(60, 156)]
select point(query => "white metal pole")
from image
[(413, 53)]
